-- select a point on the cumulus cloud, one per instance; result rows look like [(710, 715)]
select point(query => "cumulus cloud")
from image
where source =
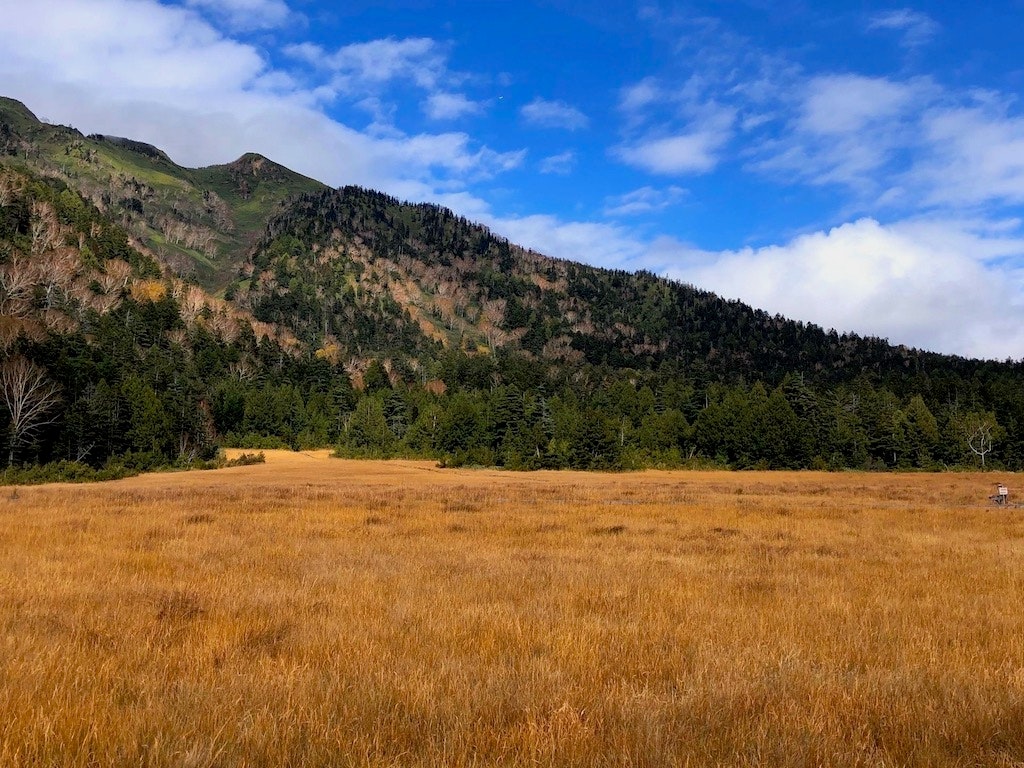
[(162, 74), (553, 114), (937, 285), (138, 49)]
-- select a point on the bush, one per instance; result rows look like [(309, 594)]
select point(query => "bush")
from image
[(117, 467), (480, 456), (138, 461), (64, 472), (246, 460)]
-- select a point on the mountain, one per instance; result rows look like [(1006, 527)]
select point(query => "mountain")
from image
[(199, 222), (355, 267), (166, 310)]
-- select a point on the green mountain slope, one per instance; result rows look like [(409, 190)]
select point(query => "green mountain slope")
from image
[(365, 272), (198, 222)]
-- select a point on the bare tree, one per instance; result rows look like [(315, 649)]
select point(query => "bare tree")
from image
[(17, 282), (44, 228), (115, 276), (223, 325), (10, 187), (30, 398), (980, 430), (192, 304)]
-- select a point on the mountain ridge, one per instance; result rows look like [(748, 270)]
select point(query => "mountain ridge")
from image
[(235, 174), (414, 247), (200, 222), (242, 303)]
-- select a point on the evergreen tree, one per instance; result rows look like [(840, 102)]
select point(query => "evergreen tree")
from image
[(368, 427)]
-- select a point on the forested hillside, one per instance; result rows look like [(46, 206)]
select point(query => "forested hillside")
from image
[(314, 317)]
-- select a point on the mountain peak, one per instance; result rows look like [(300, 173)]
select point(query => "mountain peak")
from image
[(257, 168), (14, 112), (253, 168), (253, 158)]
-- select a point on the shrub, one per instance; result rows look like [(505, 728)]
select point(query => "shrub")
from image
[(64, 472)]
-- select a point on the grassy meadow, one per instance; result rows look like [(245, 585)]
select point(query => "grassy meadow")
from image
[(320, 612)]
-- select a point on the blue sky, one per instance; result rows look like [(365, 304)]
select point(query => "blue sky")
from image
[(858, 165)]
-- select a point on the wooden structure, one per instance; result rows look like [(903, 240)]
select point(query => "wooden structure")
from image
[(1002, 496)]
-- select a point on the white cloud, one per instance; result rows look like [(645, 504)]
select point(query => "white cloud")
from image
[(382, 114), (837, 104), (694, 149), (972, 155), (936, 285), (638, 96), (449, 151), (450, 106), (908, 145), (307, 52), (603, 245), (917, 28), (162, 74), (139, 49), (553, 114), (365, 66), (560, 164), (643, 200), (687, 153), (847, 130), (245, 15), (366, 73)]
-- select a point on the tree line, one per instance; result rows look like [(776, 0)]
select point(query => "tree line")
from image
[(111, 400)]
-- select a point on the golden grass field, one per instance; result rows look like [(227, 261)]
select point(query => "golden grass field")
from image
[(319, 612)]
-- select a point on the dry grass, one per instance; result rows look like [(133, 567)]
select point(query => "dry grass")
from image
[(318, 612)]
